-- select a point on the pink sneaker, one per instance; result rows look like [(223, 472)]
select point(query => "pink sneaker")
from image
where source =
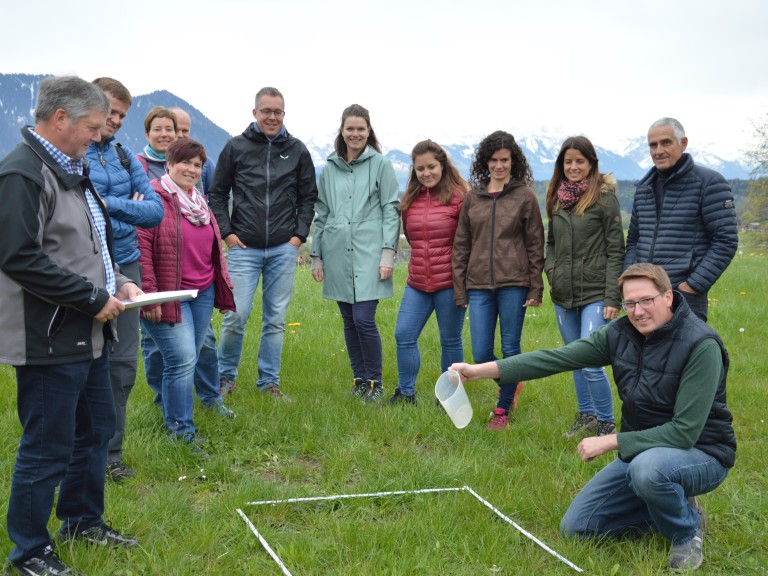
[(499, 419)]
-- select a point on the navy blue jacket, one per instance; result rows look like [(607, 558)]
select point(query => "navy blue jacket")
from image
[(693, 237)]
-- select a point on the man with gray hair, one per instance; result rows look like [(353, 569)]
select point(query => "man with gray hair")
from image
[(272, 178), (61, 294), (683, 217)]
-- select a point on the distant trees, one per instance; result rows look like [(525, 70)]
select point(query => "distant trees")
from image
[(756, 207)]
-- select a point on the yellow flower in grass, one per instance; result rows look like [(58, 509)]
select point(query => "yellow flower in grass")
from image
[(294, 323)]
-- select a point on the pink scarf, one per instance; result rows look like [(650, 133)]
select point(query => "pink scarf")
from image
[(569, 193), (192, 204)]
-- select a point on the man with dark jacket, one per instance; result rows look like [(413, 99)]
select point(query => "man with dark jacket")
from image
[(61, 293), (676, 440), (130, 201), (272, 180), (683, 217)]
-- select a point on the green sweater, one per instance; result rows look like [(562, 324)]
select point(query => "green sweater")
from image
[(695, 395)]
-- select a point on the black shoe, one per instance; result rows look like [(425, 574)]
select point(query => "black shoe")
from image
[(117, 472), (374, 391), (45, 563), (399, 398), (359, 388), (103, 535)]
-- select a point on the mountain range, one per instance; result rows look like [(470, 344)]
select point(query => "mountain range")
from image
[(19, 91)]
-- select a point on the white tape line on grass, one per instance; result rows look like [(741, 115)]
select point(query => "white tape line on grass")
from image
[(521, 530), (344, 496), (264, 543), (395, 493)]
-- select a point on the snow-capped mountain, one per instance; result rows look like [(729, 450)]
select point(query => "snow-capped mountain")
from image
[(540, 145)]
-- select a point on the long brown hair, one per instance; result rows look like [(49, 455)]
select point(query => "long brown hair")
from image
[(594, 190), (450, 183), (358, 112)]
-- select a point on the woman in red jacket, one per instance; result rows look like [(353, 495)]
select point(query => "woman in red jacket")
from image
[(182, 253), (430, 209)]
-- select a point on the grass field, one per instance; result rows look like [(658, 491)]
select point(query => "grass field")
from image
[(326, 443)]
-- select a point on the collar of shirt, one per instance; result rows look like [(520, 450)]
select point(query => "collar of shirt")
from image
[(71, 165)]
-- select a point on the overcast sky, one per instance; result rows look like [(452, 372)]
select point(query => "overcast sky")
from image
[(447, 70)]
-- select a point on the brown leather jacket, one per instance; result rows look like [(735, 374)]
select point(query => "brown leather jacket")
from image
[(499, 243)]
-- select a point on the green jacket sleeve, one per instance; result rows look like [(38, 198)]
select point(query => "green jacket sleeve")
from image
[(613, 232), (591, 351), (695, 395)]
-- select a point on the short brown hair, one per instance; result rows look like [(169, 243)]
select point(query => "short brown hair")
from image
[(158, 112), (185, 149), (655, 274), (114, 87)]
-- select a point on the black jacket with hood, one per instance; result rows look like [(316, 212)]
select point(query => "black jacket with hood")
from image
[(273, 187)]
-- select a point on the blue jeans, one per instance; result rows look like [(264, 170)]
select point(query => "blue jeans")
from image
[(180, 344), (67, 414), (593, 390), (415, 309), (485, 308), (206, 370), (647, 493), (277, 265), (361, 335)]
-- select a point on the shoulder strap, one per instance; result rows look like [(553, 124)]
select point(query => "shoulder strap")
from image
[(123, 157)]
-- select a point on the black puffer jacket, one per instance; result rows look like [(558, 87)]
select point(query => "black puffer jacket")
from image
[(273, 187), (694, 236)]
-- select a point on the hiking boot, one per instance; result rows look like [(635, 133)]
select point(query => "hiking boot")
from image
[(44, 563), (117, 471), (227, 385), (499, 419), (221, 410), (399, 398), (359, 388), (604, 428), (103, 535), (688, 556), (374, 391), (274, 391), (584, 423)]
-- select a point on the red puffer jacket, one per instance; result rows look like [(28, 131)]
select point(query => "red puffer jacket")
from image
[(161, 248), (429, 227)]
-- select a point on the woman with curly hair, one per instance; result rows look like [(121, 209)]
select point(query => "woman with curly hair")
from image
[(430, 210), (585, 253), (498, 255)]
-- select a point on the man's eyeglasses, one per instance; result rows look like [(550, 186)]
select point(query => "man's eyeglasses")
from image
[(644, 303), (267, 112)]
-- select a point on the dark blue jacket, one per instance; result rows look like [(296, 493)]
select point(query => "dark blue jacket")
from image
[(694, 236)]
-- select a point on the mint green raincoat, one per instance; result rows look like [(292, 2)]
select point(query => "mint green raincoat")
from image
[(357, 217)]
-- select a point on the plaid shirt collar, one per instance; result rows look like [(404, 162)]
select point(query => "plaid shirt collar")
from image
[(71, 165)]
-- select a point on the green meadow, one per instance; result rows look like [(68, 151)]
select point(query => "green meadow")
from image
[(323, 443)]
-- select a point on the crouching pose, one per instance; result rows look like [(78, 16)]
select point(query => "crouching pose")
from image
[(676, 439)]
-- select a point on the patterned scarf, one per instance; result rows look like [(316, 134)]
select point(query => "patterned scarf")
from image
[(569, 193), (191, 204)]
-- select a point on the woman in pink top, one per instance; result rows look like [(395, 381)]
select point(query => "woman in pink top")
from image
[(182, 253)]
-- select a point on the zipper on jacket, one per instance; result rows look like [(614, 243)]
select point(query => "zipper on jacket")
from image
[(49, 332), (493, 232), (266, 196)]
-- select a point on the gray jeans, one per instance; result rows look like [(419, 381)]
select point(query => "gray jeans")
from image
[(123, 361)]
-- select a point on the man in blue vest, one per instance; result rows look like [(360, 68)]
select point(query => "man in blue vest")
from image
[(676, 439)]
